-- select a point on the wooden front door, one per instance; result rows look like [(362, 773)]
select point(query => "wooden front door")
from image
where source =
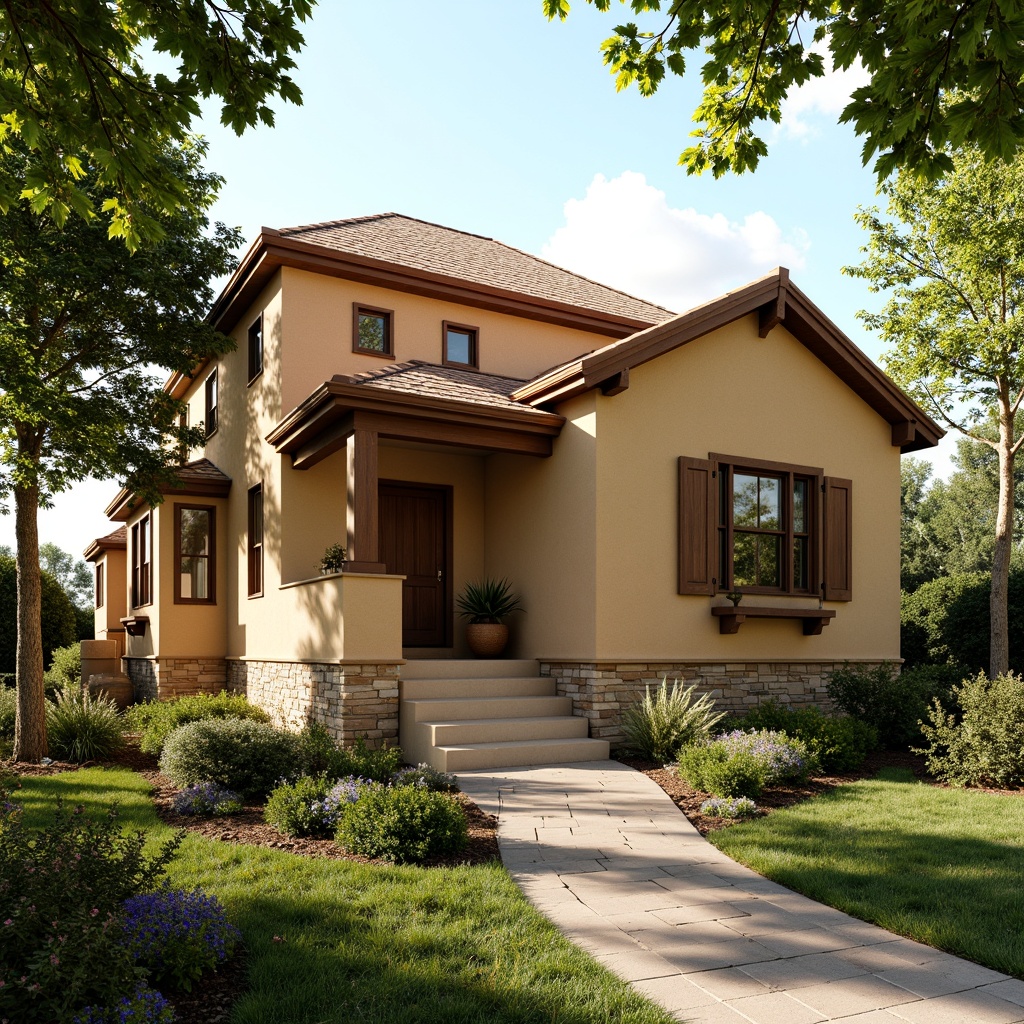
[(415, 524)]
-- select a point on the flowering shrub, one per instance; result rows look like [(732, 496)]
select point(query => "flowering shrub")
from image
[(778, 756), (719, 807), (312, 807), (742, 763), (424, 776), (176, 935), (144, 1006), (207, 798)]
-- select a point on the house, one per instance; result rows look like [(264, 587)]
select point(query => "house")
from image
[(449, 408)]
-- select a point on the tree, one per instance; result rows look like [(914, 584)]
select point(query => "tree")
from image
[(57, 615), (919, 558), (72, 574), (75, 93), (83, 324), (952, 255), (915, 54)]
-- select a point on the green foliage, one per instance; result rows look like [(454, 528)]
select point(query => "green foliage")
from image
[(937, 72), (65, 666), (75, 92), (155, 720), (893, 703), (61, 889), (425, 776), (982, 744), (244, 755), (8, 711), (319, 754), (58, 614), (73, 574), (839, 744), (290, 808), (333, 559), (490, 600), (82, 727), (404, 825), (711, 769), (658, 727)]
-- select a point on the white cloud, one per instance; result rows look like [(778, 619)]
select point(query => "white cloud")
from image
[(624, 234), (825, 96)]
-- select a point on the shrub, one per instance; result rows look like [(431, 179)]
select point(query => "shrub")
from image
[(319, 754), (58, 615), (176, 935), (426, 777), (892, 703), (66, 666), (240, 754), (207, 799), (8, 711), (312, 807), (81, 727), (62, 888), (658, 728), (983, 745), (404, 824), (743, 763), (156, 720), (144, 1006), (717, 807), (778, 756), (839, 744)]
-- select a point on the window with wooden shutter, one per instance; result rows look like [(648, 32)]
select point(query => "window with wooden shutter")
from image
[(837, 546), (697, 526)]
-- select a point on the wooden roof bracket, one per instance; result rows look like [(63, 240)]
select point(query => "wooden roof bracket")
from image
[(903, 432), (616, 383), (771, 314)]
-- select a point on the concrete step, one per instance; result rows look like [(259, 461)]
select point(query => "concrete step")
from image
[(496, 730), (470, 756), (498, 686), (460, 709), (468, 668)]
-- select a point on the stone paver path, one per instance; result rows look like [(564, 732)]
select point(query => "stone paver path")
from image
[(604, 853)]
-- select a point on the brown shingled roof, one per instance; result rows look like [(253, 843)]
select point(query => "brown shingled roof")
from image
[(199, 478), (116, 541), (436, 249)]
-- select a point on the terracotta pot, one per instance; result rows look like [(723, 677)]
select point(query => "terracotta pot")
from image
[(487, 639)]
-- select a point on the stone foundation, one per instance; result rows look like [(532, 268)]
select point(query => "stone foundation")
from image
[(601, 691), (352, 701), (164, 678)]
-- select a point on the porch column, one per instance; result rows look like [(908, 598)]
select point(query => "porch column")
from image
[(361, 503)]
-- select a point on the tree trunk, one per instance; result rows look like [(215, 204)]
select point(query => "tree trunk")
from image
[(999, 640), (30, 723)]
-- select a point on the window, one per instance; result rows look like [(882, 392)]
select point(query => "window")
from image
[(183, 425), (142, 561), (194, 554), (256, 349), (460, 347), (372, 331), (99, 584), (211, 403), (256, 541), (763, 528)]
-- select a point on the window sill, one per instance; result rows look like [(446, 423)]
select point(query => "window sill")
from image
[(730, 618)]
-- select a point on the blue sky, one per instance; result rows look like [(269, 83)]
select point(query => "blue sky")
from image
[(488, 118)]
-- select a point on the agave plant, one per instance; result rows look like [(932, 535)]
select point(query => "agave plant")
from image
[(659, 727), (488, 601)]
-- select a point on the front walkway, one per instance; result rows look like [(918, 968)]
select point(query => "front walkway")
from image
[(604, 853)]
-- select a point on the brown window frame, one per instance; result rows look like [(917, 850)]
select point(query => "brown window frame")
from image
[(142, 562), (255, 349), (255, 548), (211, 558), (474, 344), (726, 467), (388, 315), (212, 421), (100, 596)]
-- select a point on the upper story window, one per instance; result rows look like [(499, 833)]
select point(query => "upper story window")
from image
[(142, 561), (256, 348), (194, 554), (372, 331), (99, 584), (255, 517), (212, 398), (459, 345)]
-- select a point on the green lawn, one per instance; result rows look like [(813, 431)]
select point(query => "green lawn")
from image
[(370, 943), (942, 866)]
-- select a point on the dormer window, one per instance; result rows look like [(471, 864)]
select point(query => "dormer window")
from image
[(372, 331)]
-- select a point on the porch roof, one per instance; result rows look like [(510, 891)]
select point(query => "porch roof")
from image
[(416, 401)]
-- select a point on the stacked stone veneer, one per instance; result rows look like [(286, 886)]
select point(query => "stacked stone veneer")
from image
[(601, 691), (352, 701), (164, 678)]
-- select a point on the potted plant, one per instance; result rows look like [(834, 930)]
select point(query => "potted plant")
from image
[(333, 560), (485, 604)]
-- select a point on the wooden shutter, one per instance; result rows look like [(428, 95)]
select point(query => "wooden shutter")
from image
[(837, 547), (698, 555)]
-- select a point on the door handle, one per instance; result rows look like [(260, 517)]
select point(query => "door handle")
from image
[(438, 575)]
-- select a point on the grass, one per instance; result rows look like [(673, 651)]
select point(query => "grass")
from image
[(372, 944), (942, 866)]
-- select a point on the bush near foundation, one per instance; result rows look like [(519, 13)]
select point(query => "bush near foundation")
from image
[(312, 806), (320, 754), (247, 756), (981, 742), (157, 719), (658, 727), (741, 763)]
